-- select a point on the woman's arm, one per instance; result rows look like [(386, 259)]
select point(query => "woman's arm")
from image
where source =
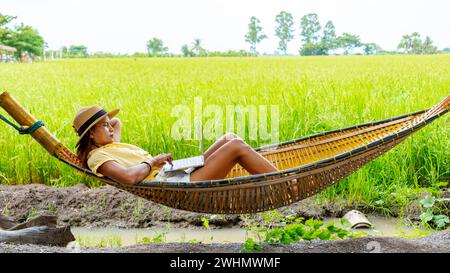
[(135, 174), (127, 176), (117, 125)]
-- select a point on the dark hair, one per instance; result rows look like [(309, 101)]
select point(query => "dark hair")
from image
[(83, 150)]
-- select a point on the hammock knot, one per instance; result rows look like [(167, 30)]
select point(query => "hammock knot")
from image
[(24, 130), (29, 130)]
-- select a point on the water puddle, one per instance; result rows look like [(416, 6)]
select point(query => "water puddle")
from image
[(126, 237), (115, 237), (385, 226)]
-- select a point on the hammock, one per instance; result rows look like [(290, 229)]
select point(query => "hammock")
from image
[(307, 165)]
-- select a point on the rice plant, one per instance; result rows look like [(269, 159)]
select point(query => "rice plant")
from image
[(313, 94)]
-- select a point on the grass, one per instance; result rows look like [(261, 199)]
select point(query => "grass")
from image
[(313, 94), (100, 242), (278, 229)]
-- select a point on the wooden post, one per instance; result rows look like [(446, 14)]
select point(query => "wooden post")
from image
[(24, 118), (41, 230)]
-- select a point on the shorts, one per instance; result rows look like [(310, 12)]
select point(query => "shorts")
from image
[(176, 176)]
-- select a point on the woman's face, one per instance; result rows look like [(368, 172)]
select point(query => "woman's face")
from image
[(102, 132)]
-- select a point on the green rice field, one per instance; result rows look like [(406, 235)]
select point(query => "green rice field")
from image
[(314, 94)]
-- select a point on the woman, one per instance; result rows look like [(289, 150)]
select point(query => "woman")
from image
[(100, 150)]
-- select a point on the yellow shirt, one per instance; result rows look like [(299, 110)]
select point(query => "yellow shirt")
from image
[(125, 154)]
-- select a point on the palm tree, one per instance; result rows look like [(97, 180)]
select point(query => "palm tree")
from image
[(197, 48)]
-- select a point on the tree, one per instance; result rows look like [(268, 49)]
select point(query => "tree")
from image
[(229, 53), (329, 36), (313, 49), (348, 42), (310, 27), (371, 48), (6, 19), (4, 31), (65, 51), (26, 40), (309, 34), (428, 47), (284, 29), (155, 47), (405, 44), (254, 34), (416, 43), (139, 55), (411, 43), (197, 48), (186, 51), (78, 51)]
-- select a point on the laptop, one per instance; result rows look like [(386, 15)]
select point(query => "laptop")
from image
[(188, 163)]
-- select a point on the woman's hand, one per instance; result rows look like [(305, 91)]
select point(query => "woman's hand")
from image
[(115, 123), (160, 160)]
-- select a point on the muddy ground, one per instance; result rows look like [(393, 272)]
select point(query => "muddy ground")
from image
[(438, 242), (79, 206)]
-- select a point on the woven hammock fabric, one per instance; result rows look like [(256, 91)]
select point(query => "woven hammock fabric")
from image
[(307, 165)]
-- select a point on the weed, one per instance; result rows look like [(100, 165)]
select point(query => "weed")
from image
[(432, 216), (278, 229)]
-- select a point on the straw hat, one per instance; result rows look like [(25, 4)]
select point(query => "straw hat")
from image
[(88, 117)]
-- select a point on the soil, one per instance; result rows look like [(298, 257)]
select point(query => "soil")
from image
[(80, 206), (438, 242)]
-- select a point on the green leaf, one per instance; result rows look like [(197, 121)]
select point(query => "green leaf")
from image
[(266, 217), (344, 222), (314, 223), (291, 218), (441, 221), (333, 228), (286, 238), (428, 202), (274, 236), (299, 230), (342, 233), (205, 222), (427, 216), (251, 246), (308, 235), (325, 235), (441, 184)]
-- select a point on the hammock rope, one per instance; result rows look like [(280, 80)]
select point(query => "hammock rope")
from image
[(24, 130)]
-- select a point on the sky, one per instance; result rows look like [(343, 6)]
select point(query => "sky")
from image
[(120, 26)]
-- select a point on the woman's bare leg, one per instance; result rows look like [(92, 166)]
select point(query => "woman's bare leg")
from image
[(219, 163), (219, 142)]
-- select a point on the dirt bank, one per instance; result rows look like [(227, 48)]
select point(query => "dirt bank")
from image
[(437, 242), (79, 206)]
